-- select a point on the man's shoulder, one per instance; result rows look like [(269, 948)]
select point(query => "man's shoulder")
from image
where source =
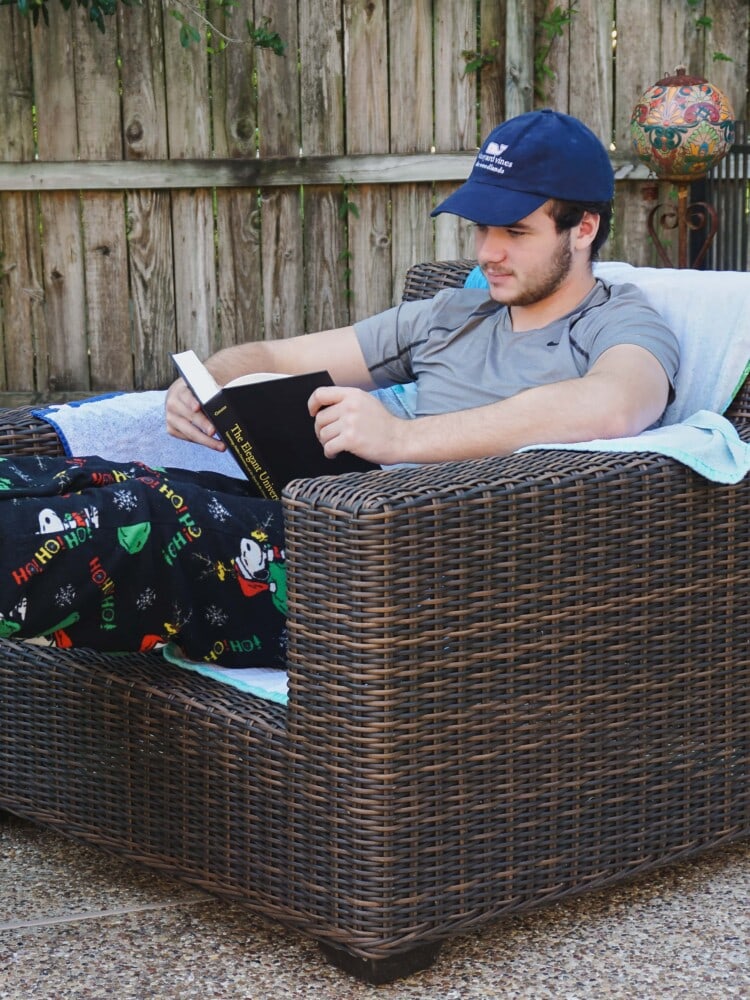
[(464, 301), (623, 290), (620, 296), (620, 313)]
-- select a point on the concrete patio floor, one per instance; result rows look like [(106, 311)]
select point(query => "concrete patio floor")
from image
[(75, 923)]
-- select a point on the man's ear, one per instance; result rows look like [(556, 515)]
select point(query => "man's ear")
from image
[(587, 229)]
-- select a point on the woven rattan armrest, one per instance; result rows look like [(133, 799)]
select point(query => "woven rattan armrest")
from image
[(22, 433)]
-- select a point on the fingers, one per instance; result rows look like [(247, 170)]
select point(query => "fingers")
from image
[(186, 420), (348, 419), (326, 406), (324, 396)]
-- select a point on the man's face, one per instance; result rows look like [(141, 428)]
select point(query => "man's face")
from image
[(526, 262)]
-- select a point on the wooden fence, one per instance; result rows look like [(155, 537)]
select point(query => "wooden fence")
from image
[(153, 198)]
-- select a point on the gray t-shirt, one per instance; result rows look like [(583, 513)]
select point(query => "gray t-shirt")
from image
[(462, 352)]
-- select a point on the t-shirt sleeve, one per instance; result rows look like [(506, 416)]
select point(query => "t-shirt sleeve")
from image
[(388, 339), (629, 319)]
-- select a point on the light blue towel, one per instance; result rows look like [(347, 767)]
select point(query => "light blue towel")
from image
[(129, 427), (263, 683), (706, 442)]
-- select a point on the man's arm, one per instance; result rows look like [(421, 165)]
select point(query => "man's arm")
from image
[(338, 351), (624, 392)]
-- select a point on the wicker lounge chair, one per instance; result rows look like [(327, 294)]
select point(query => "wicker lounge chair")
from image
[(531, 678)]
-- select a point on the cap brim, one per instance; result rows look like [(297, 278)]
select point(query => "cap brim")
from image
[(489, 204)]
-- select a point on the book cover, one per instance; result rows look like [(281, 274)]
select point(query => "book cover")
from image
[(264, 420)]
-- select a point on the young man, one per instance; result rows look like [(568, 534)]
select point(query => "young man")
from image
[(127, 557), (546, 354)]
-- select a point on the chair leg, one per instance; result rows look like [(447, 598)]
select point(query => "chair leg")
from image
[(378, 971)]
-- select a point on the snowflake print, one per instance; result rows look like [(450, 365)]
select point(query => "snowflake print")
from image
[(65, 595), (146, 599), (62, 479), (217, 510), (23, 476), (216, 616), (125, 500)]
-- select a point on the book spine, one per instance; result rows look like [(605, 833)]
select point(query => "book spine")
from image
[(251, 462)]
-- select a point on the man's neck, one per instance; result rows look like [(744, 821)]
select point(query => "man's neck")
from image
[(574, 290)]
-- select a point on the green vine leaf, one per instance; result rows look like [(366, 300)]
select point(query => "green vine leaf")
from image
[(549, 28), (706, 23), (476, 61), (195, 24), (346, 205), (264, 38)]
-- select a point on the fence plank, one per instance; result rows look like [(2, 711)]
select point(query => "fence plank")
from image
[(239, 271), (729, 36), (455, 110), (189, 131), (235, 119), (322, 103), (22, 294), (16, 99), (367, 131), (321, 58), (281, 211), (326, 260), (681, 43), (234, 107), (99, 129), (21, 290), (492, 15), (142, 79), (552, 81), (65, 341), (150, 255), (519, 58), (455, 88), (638, 66), (591, 89), (152, 284), (411, 74)]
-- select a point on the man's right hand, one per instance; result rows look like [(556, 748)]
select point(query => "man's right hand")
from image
[(338, 351), (186, 420)]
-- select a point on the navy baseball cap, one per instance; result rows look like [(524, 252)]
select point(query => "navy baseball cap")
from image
[(528, 160)]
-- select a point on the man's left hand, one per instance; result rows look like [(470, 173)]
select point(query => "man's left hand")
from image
[(352, 420)]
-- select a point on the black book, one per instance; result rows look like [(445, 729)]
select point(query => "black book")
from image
[(264, 421)]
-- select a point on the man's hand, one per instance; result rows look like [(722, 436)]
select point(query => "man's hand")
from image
[(337, 350), (352, 420), (186, 420)]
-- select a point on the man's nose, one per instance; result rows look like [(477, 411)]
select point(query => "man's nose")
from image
[(494, 246)]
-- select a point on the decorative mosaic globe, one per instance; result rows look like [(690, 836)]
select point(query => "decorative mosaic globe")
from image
[(682, 126)]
